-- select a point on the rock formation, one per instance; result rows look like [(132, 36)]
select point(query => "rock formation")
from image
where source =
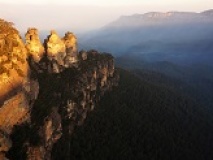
[(14, 80), (46, 91), (34, 45), (71, 49), (5, 144), (55, 47)]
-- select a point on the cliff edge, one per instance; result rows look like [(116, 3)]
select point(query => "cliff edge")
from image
[(46, 90)]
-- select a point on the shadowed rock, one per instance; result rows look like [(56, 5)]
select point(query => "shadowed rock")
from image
[(46, 91)]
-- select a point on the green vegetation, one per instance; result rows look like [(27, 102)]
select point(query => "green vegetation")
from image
[(142, 120), (194, 80)]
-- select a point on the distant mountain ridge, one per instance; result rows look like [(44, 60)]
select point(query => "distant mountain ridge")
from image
[(172, 16), (173, 36), (208, 12)]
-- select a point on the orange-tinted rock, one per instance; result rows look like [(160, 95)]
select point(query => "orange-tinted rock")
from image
[(70, 41), (55, 46), (34, 45), (67, 95)]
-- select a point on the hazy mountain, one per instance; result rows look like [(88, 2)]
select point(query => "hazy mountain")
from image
[(158, 18), (173, 36), (161, 108)]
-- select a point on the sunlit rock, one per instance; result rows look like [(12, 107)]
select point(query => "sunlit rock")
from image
[(55, 47), (46, 90), (70, 41), (13, 64), (34, 45)]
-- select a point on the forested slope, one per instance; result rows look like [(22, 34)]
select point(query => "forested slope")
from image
[(142, 120)]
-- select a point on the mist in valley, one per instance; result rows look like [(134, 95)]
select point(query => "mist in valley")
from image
[(175, 44)]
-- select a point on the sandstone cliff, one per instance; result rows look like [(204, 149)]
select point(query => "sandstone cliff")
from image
[(46, 90)]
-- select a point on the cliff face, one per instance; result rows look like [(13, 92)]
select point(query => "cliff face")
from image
[(46, 91), (14, 78)]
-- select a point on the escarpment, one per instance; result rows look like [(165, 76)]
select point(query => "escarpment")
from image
[(47, 89)]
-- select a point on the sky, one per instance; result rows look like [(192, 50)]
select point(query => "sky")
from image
[(84, 15)]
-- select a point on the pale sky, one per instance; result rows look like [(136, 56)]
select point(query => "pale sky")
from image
[(83, 15)]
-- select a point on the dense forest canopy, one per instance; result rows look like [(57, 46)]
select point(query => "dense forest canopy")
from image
[(142, 119)]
